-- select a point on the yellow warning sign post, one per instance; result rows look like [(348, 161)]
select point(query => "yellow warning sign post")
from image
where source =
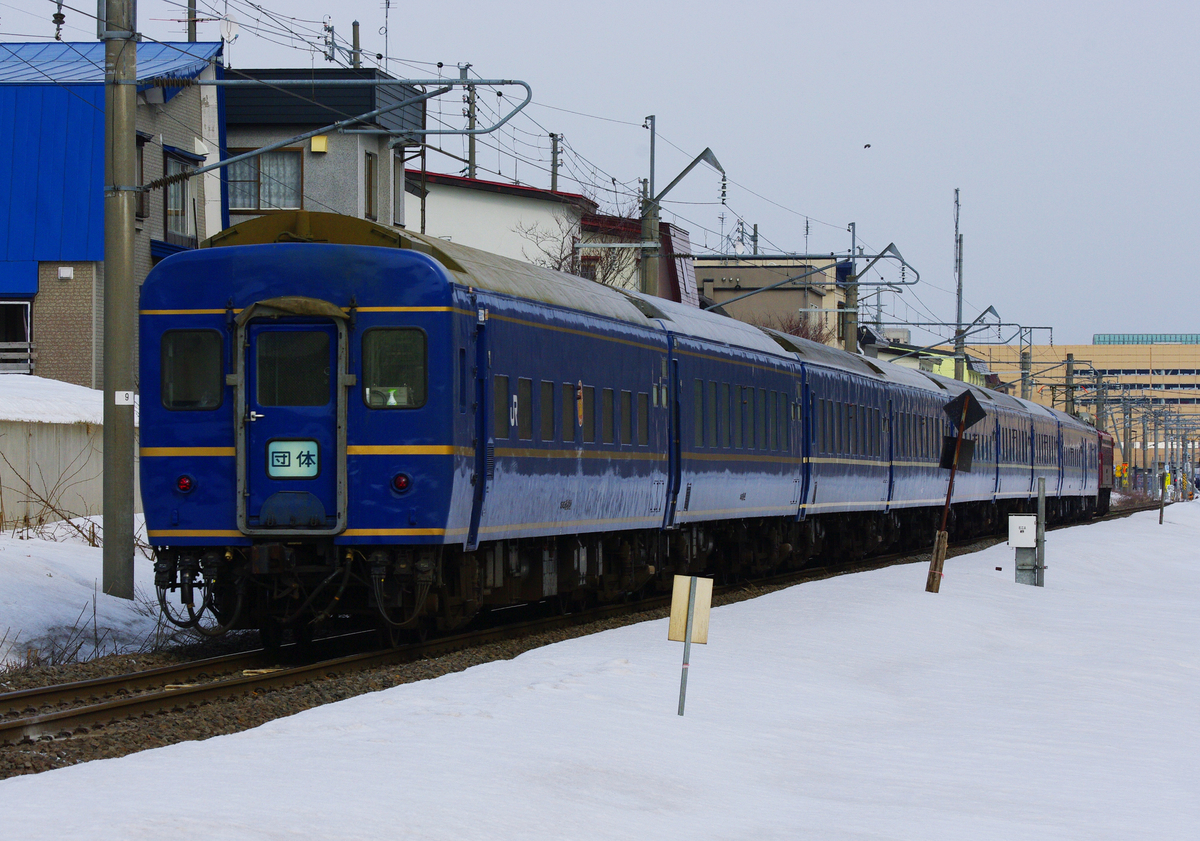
[(691, 601)]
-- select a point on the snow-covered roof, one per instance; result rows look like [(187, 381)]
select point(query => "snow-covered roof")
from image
[(37, 399)]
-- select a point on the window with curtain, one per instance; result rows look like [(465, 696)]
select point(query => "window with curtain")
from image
[(270, 181), (180, 220)]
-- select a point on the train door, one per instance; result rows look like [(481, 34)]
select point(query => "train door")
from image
[(485, 452), (889, 451), (807, 437), (674, 453), (795, 439), (292, 379)]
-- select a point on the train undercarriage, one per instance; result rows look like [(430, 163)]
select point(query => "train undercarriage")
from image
[(405, 592)]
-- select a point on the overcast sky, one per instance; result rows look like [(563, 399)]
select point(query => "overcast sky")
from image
[(1069, 128)]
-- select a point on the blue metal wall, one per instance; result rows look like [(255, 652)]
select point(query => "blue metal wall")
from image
[(51, 180)]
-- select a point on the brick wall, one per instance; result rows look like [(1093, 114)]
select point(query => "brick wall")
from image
[(63, 325)]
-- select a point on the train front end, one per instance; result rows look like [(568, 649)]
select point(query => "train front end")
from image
[(296, 465)]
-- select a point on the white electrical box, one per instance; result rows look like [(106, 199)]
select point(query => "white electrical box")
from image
[(1022, 530)]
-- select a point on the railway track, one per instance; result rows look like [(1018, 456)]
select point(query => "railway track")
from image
[(75, 709)]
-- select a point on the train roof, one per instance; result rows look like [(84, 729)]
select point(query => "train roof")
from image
[(494, 273), (467, 266), (504, 275)]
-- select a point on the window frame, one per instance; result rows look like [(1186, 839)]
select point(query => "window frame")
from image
[(257, 182), (220, 380), (371, 185), (500, 418), (362, 350)]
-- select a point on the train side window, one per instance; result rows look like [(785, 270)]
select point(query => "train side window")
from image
[(710, 427), (525, 409), (782, 405), (830, 427), (748, 402), (643, 418), (547, 411), (822, 428), (773, 441), (589, 414), (698, 411), (462, 380), (626, 417), (570, 412), (395, 371), (736, 416), (606, 415), (192, 369), (748, 412), (846, 433), (763, 441), (860, 417), (724, 401), (781, 419), (500, 404)]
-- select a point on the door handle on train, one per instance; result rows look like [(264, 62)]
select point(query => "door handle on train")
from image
[(255, 415)]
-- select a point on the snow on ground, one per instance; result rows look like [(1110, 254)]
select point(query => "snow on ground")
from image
[(856, 708), (46, 597), (29, 398)]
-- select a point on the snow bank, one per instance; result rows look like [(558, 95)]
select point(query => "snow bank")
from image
[(47, 587), (856, 708)]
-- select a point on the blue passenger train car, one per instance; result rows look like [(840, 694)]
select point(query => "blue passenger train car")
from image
[(342, 420)]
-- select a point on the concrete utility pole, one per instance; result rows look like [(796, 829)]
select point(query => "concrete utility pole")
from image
[(1145, 442), (553, 162), (1101, 403), (1157, 457), (647, 221), (1127, 416), (1026, 385), (356, 55), (120, 300), (1070, 401), (650, 224), (192, 21), (850, 316), (470, 126), (960, 353)]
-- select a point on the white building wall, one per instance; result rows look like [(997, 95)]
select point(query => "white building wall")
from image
[(483, 220)]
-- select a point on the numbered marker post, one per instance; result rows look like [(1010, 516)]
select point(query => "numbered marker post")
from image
[(123, 398), (691, 600)]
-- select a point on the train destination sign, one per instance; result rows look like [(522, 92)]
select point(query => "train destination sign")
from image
[(295, 459)]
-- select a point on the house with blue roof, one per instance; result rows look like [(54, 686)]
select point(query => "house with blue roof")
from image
[(52, 190)]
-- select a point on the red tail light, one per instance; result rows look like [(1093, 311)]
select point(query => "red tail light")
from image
[(401, 482), (185, 483)]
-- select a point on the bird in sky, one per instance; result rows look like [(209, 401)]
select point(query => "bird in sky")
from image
[(868, 146)]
